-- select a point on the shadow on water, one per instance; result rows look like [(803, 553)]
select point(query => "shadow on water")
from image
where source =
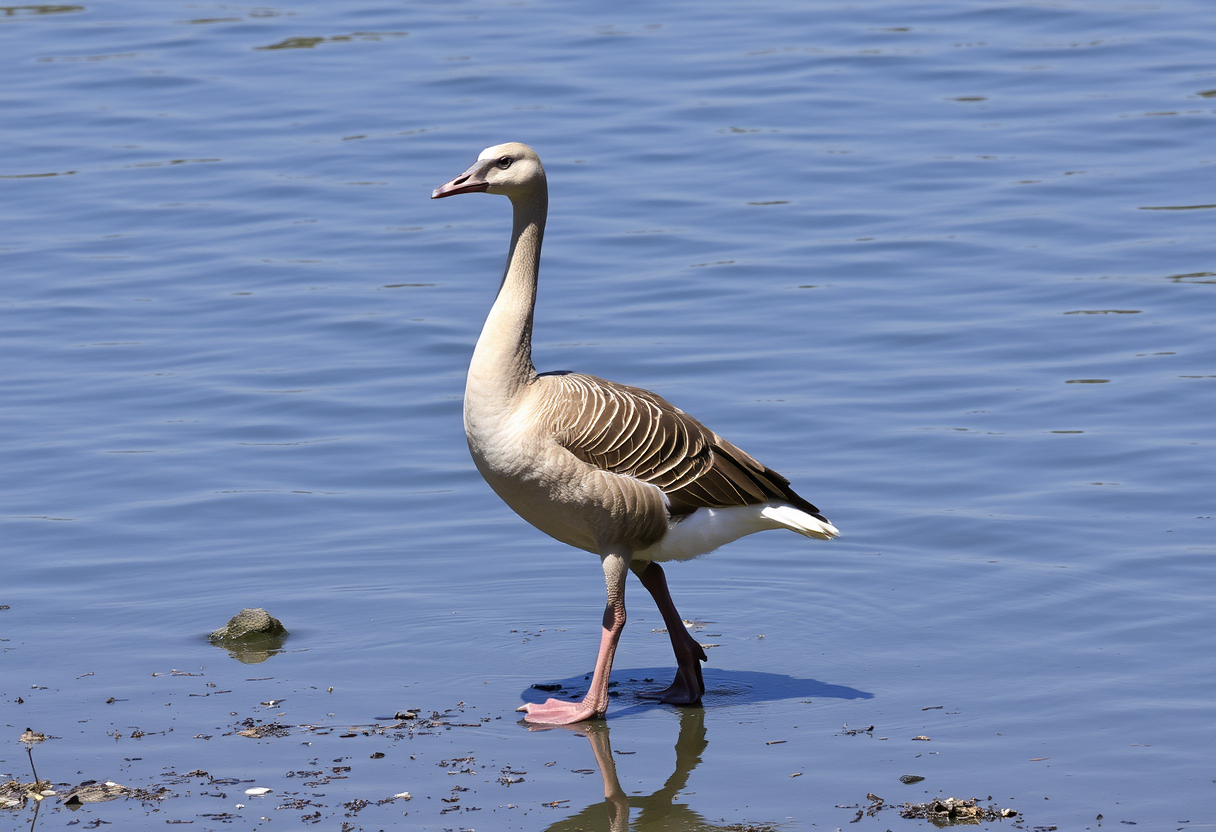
[(722, 687), (652, 812)]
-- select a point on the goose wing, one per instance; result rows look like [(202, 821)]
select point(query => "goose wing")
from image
[(636, 433)]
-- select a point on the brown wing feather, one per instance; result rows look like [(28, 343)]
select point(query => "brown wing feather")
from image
[(633, 432)]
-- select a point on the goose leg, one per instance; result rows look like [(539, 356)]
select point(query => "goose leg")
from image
[(688, 685), (595, 703)]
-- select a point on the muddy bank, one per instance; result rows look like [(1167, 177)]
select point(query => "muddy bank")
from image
[(419, 767)]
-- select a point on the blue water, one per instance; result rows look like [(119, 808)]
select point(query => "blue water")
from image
[(947, 266)]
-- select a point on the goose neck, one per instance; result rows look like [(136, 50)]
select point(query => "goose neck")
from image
[(503, 357)]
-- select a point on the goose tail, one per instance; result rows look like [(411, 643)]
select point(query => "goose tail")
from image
[(797, 520)]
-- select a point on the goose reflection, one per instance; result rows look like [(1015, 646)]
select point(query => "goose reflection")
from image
[(657, 811)]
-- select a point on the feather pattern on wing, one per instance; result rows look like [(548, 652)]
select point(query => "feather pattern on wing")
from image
[(635, 433)]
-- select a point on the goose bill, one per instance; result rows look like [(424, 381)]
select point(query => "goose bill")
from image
[(471, 181)]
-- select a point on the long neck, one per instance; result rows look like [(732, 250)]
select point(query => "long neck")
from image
[(502, 361)]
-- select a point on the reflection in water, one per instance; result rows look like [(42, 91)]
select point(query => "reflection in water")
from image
[(254, 649), (659, 811), (654, 812), (255, 652)]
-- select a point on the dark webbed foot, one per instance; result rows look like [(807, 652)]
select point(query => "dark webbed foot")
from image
[(686, 689)]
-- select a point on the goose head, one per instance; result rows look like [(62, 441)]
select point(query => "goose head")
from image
[(512, 169)]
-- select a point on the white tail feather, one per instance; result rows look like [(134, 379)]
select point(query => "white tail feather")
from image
[(799, 521)]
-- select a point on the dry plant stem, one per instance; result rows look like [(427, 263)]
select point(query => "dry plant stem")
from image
[(30, 752)]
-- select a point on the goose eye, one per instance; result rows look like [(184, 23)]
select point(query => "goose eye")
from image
[(504, 162)]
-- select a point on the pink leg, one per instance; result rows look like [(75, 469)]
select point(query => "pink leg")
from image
[(595, 703), (688, 685)]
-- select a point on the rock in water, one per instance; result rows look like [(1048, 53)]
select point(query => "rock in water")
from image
[(249, 624)]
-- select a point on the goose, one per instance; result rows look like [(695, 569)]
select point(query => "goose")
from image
[(607, 468)]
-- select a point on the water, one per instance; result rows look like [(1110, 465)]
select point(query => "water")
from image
[(948, 266)]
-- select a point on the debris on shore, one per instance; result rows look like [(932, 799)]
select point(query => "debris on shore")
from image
[(949, 811), (90, 791), (952, 810)]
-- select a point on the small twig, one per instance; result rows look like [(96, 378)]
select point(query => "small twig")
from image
[(30, 752)]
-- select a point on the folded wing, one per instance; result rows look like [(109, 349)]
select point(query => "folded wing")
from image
[(635, 433)]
